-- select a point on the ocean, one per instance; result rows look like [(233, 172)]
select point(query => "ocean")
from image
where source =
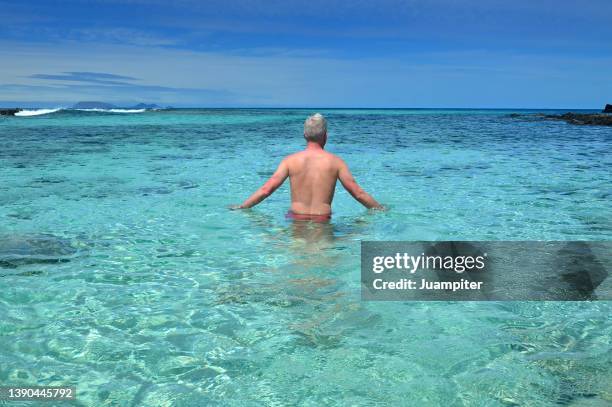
[(123, 273)]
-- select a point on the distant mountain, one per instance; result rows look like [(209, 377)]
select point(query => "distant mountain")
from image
[(103, 105), (93, 105), (146, 106)]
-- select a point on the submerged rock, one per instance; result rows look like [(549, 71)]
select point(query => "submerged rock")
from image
[(17, 250)]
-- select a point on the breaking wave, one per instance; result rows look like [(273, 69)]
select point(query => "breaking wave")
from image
[(112, 110), (36, 112)]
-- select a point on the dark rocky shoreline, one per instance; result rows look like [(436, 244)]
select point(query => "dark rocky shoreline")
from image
[(590, 119), (9, 112), (597, 119)]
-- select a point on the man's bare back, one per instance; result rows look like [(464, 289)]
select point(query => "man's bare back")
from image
[(312, 173)]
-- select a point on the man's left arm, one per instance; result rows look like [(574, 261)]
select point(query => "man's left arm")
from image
[(275, 181)]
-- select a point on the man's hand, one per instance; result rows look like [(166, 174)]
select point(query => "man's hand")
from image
[(234, 207)]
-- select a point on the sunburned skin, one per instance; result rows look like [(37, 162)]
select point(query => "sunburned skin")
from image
[(313, 173)]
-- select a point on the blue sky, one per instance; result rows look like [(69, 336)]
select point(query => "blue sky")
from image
[(389, 53)]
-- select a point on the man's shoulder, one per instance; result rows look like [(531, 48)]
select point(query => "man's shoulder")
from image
[(292, 157), (300, 155), (336, 159)]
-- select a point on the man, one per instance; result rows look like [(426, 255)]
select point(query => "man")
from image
[(312, 173)]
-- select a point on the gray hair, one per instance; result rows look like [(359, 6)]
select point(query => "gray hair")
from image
[(315, 127)]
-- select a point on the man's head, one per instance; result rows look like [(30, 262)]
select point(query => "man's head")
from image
[(315, 129)]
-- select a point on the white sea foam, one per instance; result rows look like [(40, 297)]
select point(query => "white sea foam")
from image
[(36, 112), (113, 110), (127, 110)]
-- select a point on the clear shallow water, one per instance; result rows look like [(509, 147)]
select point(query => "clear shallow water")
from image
[(123, 273)]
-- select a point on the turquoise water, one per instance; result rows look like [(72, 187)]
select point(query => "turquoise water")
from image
[(123, 273)]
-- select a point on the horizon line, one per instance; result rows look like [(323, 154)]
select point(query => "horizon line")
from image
[(3, 106)]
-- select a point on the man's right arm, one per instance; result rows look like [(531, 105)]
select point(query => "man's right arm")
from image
[(349, 183)]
